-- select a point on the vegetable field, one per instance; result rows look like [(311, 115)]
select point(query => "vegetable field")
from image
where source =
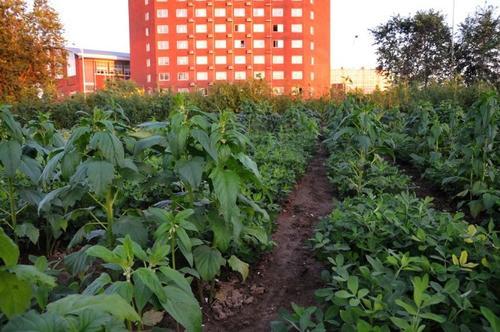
[(216, 220)]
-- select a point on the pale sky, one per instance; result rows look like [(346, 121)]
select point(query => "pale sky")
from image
[(103, 24)]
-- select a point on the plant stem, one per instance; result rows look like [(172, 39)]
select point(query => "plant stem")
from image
[(12, 202), (172, 249), (108, 207)]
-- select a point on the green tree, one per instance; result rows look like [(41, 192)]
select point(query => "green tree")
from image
[(414, 49), (478, 47), (31, 48)]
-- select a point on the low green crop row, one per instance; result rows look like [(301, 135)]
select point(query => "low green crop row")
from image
[(394, 262)]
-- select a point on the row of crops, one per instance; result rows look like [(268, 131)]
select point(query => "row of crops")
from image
[(395, 261), (108, 226)]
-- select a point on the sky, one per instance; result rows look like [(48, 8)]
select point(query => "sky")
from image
[(103, 24)]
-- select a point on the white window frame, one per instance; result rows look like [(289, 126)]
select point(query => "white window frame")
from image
[(278, 59), (297, 43), (220, 28), (220, 59), (240, 75), (297, 75), (259, 27), (259, 12), (240, 60), (201, 60), (220, 12), (181, 28), (259, 59), (181, 12), (259, 43), (162, 29), (182, 45), (277, 12), (201, 44), (220, 43), (239, 12), (278, 75), (163, 45), (220, 75), (183, 76), (182, 60), (201, 28), (296, 28), (202, 76), (163, 61), (297, 59), (164, 77), (162, 13), (296, 12), (200, 12)]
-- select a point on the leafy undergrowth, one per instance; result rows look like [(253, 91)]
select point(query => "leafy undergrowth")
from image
[(395, 263)]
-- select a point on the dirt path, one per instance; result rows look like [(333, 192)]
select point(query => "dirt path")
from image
[(287, 274)]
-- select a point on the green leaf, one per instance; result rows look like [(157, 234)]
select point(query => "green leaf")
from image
[(343, 294), (208, 262), (204, 140), (15, 294), (14, 127), (401, 323), (31, 274), (437, 318), (142, 294), (147, 142), (69, 163), (9, 251), (408, 307), (227, 186), (493, 319), (100, 175), (50, 168), (27, 230), (184, 308), (149, 278), (249, 164), (239, 266), (110, 147), (175, 277), (353, 284), (104, 253), (34, 322), (97, 285), (133, 226), (10, 156), (123, 288), (191, 171), (419, 287), (112, 304), (222, 232), (31, 168)]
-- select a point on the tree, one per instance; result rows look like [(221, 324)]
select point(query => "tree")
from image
[(478, 47), (31, 48), (414, 49)]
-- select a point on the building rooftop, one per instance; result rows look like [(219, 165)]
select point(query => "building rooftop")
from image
[(97, 54)]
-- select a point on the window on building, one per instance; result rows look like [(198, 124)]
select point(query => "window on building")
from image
[(202, 76), (312, 76), (148, 78), (221, 75), (259, 43), (258, 27), (146, 2), (181, 28), (163, 61), (220, 28), (239, 27), (146, 16), (183, 76), (277, 12), (148, 47), (297, 59), (163, 45), (278, 59), (296, 27), (201, 28), (259, 75), (162, 13), (240, 75), (297, 75), (297, 43), (148, 62), (164, 77), (240, 59), (200, 12), (312, 46), (147, 32), (183, 90), (259, 59), (278, 90), (312, 60), (182, 44), (278, 43), (220, 43), (181, 12), (296, 12), (162, 29), (240, 43), (311, 30), (182, 60), (201, 60), (278, 27), (201, 44), (220, 59), (239, 12), (220, 12), (311, 15), (258, 12), (278, 75)]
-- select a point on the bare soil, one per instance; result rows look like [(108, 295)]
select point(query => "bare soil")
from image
[(287, 274)]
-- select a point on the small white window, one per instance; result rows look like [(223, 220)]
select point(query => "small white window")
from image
[(146, 2), (163, 45), (312, 46), (220, 12), (277, 12), (259, 75), (311, 15), (240, 43), (240, 59), (278, 43), (220, 28), (296, 43), (311, 30), (202, 76), (258, 28), (296, 27), (162, 29), (147, 32), (148, 62), (201, 44), (220, 43), (220, 59), (259, 43), (240, 75), (259, 59), (164, 77), (161, 13), (163, 61), (239, 27), (182, 60), (148, 47), (297, 75), (182, 44), (182, 76), (181, 28), (200, 12), (181, 12), (201, 28), (258, 12), (312, 60), (183, 90), (239, 12), (221, 75), (278, 90), (146, 16), (148, 78), (296, 12), (278, 28), (297, 59), (201, 60), (312, 76), (278, 59), (278, 75)]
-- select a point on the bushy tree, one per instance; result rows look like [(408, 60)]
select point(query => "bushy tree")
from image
[(478, 47), (31, 48)]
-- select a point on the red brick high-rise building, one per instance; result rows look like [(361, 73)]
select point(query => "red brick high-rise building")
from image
[(187, 45)]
